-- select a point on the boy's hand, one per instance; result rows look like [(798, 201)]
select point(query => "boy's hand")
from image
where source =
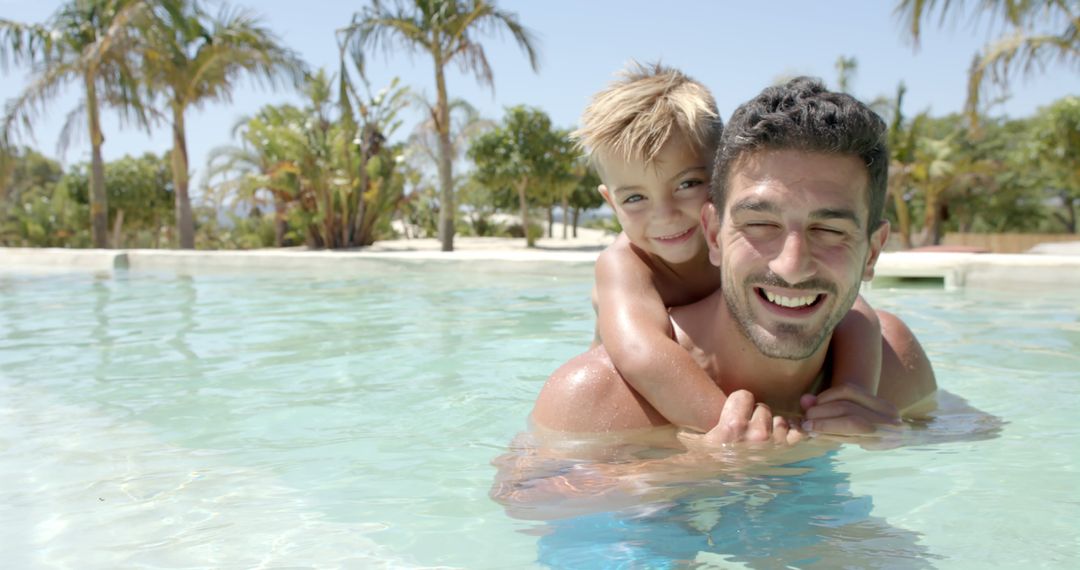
[(744, 420), (848, 410)]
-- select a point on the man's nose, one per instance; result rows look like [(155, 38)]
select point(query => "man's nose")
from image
[(793, 263)]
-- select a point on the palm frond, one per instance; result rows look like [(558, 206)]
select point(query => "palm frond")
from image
[(73, 127), (21, 43), (1016, 53), (20, 112)]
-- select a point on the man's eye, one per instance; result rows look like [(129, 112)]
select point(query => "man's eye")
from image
[(830, 232), (759, 228)]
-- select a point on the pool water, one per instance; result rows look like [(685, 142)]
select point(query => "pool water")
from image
[(350, 420)]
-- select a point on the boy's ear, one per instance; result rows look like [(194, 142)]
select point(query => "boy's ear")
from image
[(710, 224), (606, 194), (877, 244)]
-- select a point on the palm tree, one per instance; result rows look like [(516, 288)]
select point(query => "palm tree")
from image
[(846, 67), (84, 41), (191, 58), (1034, 34), (445, 30), (424, 139)]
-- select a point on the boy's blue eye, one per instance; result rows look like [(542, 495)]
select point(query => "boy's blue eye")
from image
[(633, 198), (690, 183)]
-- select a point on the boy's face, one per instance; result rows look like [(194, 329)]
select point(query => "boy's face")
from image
[(659, 205)]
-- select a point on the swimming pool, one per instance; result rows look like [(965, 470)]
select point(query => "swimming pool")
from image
[(349, 419)]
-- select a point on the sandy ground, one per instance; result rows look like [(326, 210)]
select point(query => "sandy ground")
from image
[(587, 240)]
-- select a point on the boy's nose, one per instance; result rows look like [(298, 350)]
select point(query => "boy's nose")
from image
[(793, 263), (666, 209)]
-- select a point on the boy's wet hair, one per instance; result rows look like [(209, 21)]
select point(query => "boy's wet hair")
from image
[(636, 115), (803, 115)]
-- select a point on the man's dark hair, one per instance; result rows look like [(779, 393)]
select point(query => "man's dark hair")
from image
[(803, 115)]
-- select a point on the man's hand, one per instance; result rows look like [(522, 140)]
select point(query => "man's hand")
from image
[(744, 420), (848, 410)]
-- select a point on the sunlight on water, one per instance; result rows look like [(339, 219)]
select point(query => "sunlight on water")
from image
[(351, 420)]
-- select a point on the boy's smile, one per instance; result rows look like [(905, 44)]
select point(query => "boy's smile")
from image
[(659, 204)]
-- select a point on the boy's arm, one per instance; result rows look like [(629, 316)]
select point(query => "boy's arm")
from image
[(907, 389), (856, 349), (636, 332)]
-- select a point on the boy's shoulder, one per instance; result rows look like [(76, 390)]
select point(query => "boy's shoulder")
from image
[(622, 255)]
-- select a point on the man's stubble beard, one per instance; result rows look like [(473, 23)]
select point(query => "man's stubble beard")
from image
[(802, 346)]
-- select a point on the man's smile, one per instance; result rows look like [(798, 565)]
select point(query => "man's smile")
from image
[(790, 303)]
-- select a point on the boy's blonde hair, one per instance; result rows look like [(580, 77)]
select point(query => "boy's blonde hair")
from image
[(636, 115)]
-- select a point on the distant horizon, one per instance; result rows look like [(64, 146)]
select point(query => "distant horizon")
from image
[(582, 47)]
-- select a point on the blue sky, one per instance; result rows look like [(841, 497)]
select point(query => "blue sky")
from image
[(735, 49)]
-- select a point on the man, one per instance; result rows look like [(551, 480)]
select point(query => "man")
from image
[(798, 191)]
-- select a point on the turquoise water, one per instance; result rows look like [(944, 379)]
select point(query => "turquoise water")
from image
[(349, 420)]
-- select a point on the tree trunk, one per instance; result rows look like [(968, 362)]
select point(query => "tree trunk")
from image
[(566, 214), (118, 225), (1070, 208), (903, 218), (577, 214), (328, 211), (446, 176), (279, 221), (185, 223), (99, 207), (522, 184), (932, 218), (361, 206), (551, 220)]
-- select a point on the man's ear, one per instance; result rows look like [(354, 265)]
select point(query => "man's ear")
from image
[(606, 194), (710, 224), (877, 244)]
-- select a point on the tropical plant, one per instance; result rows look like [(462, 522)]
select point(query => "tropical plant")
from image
[(27, 182), (445, 30), (369, 119), (1034, 34), (333, 179), (1056, 152), (190, 58), (903, 137), (261, 172), (88, 42), (523, 154), (140, 194), (585, 195), (47, 216), (846, 67)]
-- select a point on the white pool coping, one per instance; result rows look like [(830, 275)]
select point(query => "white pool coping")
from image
[(954, 270)]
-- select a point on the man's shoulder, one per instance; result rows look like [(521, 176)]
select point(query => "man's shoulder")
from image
[(587, 395), (698, 316)]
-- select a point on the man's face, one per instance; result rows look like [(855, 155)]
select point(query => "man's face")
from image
[(794, 247), (659, 205)]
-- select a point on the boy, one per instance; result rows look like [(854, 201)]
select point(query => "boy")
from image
[(651, 137)]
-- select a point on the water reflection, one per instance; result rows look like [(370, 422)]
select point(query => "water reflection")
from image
[(101, 335), (640, 505), (806, 520)]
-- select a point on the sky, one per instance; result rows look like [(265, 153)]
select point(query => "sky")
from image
[(734, 48)]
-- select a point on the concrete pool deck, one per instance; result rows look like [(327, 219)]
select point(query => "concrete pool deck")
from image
[(1060, 266)]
